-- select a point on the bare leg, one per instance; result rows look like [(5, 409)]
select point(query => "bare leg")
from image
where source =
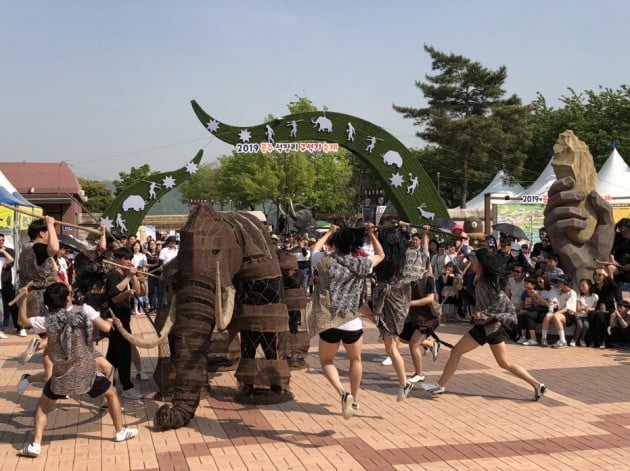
[(500, 355), (391, 345), (356, 367), (327, 352), (135, 358), (41, 417), (532, 334), (547, 320), (465, 345), (48, 365), (114, 408), (417, 339)]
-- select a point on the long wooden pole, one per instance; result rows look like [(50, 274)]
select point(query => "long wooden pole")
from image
[(21, 294), (61, 223), (109, 262)]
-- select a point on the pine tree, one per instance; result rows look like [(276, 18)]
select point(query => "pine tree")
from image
[(476, 129)]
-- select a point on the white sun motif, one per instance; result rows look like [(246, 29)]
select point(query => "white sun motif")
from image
[(396, 180), (107, 222), (168, 182), (191, 167), (213, 125), (244, 135)]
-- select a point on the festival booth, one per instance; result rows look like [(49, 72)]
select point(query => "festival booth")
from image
[(10, 220), (612, 184)]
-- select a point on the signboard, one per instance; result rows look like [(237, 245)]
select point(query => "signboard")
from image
[(529, 217), (10, 219), (285, 147), (368, 214)]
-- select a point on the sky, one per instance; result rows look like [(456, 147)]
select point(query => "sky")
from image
[(105, 86)]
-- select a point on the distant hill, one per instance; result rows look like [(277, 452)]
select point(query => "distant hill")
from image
[(171, 203)]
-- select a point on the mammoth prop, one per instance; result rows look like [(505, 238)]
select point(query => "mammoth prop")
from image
[(226, 273)]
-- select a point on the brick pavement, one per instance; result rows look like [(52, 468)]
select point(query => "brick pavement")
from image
[(485, 420)]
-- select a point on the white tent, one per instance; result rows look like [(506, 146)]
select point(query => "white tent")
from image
[(613, 179), (499, 186), (537, 191)]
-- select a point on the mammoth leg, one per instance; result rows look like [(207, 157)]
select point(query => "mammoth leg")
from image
[(190, 338)]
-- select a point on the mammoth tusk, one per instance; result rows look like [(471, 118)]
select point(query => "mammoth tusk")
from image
[(223, 317), (148, 343)]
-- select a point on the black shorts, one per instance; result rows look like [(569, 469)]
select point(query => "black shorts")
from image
[(338, 335), (479, 335), (99, 386)]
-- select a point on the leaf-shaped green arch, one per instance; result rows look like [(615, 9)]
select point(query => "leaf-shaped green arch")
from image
[(388, 158)]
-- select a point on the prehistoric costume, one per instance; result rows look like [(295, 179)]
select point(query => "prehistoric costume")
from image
[(37, 267)]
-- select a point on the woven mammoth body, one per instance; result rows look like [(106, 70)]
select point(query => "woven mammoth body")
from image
[(227, 273)]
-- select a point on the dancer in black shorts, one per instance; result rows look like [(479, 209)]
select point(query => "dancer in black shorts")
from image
[(492, 308), (340, 284)]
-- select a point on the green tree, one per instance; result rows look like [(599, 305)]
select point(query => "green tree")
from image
[(136, 174), (99, 197), (470, 121), (596, 117), (201, 185)]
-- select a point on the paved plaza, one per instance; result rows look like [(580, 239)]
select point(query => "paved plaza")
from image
[(485, 420)]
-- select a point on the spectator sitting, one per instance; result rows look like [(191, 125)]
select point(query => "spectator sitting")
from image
[(564, 316), (503, 255), (621, 254), (552, 270), (619, 327), (541, 250), (587, 303), (517, 259), (515, 284), (531, 309)]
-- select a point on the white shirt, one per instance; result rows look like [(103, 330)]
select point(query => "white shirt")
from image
[(587, 301), (167, 254), (568, 300), (38, 323), (139, 260)]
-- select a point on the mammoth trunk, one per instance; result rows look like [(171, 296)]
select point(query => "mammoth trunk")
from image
[(199, 300)]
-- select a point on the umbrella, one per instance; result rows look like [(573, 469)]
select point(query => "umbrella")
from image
[(511, 230), (70, 242)]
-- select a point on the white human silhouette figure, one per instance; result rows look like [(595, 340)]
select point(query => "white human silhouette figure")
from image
[(372, 143), (269, 133), (120, 222), (414, 184), (350, 132), (293, 126), (152, 187)]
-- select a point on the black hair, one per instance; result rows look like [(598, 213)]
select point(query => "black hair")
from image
[(492, 273), (56, 296), (35, 227), (123, 252), (416, 235), (553, 257), (395, 247), (348, 239), (589, 283), (437, 243), (624, 222)]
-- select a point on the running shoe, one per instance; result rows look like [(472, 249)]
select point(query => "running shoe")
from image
[(22, 333), (559, 344), (27, 354), (32, 450), (132, 393), (529, 343), (417, 378), (386, 362), (435, 350), (521, 340), (403, 391), (346, 405), (142, 376), (125, 434), (539, 391), (433, 388), (22, 384)]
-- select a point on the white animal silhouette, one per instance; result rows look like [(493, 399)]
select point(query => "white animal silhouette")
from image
[(322, 123), (425, 214), (414, 184), (120, 222), (269, 133), (350, 132)]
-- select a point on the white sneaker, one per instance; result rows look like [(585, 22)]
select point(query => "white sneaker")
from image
[(521, 341), (530, 343), (125, 434), (3, 335), (543, 343), (417, 378), (142, 376), (582, 343), (403, 391), (572, 343), (32, 450), (22, 333), (559, 344), (132, 393), (23, 384), (386, 362), (346, 405)]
